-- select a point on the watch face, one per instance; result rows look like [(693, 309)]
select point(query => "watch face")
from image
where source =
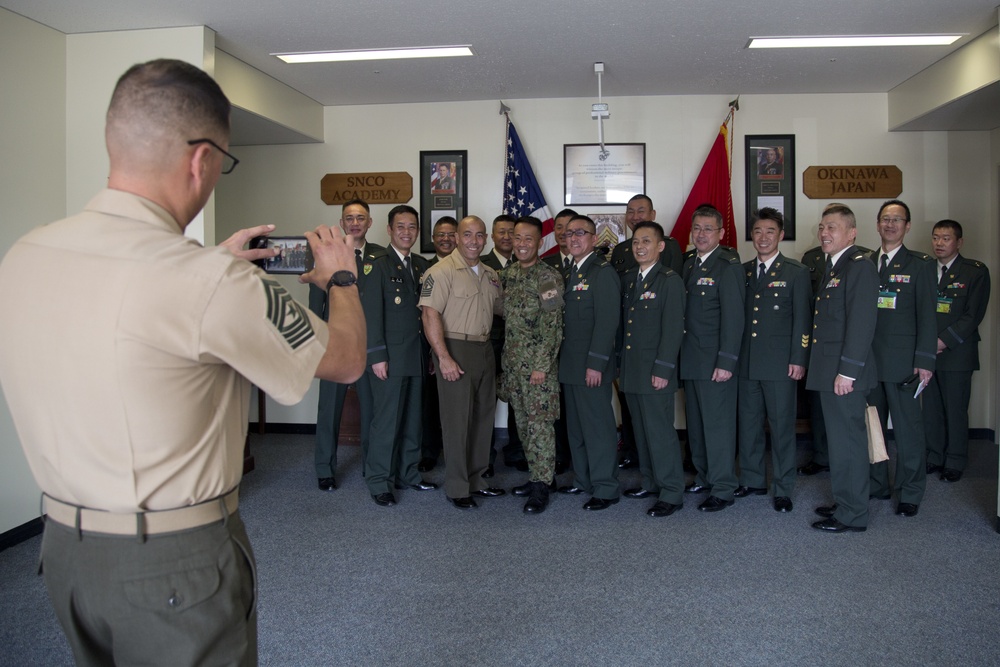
[(343, 278)]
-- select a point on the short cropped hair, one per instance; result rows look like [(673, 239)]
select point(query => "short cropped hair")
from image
[(953, 225), (642, 196), (768, 213), (533, 221), (843, 210), (707, 211), (360, 202), (589, 221), (503, 217), (893, 202), (403, 208), (649, 224), (566, 213)]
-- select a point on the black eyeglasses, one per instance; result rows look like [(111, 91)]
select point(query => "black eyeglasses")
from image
[(231, 160), (577, 232)]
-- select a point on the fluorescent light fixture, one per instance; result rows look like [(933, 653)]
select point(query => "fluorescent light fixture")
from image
[(850, 40), (376, 54)]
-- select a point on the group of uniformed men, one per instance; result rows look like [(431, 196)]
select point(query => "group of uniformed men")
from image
[(862, 327)]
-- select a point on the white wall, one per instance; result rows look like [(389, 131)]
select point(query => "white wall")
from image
[(944, 174), (32, 192)]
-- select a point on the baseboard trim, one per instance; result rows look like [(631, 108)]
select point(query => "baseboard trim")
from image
[(25, 531)]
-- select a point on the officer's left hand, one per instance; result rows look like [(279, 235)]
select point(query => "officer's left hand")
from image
[(796, 372), (593, 378), (381, 370), (719, 375), (537, 377), (660, 383), (925, 375)]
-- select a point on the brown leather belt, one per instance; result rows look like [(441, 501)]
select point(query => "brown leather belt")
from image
[(151, 522), (468, 337)]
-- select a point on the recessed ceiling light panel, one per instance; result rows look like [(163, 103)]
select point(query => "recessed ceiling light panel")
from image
[(377, 54), (828, 41)]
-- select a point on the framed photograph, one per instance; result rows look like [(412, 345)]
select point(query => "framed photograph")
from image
[(770, 174), (443, 190), (595, 177)]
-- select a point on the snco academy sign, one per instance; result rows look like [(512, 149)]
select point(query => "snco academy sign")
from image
[(388, 187), (879, 181)]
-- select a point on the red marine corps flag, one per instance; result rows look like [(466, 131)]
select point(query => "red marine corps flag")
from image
[(521, 194), (712, 187)]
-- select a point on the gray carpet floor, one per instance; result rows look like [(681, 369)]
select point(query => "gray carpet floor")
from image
[(345, 582)]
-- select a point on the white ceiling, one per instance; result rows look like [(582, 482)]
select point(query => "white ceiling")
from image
[(546, 48)]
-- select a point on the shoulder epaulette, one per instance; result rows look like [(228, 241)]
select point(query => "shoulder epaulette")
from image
[(973, 262), (860, 255), (795, 263), (920, 255)]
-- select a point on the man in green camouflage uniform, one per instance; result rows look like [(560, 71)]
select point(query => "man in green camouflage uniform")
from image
[(532, 308)]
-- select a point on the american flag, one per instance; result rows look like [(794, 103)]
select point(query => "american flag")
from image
[(521, 194)]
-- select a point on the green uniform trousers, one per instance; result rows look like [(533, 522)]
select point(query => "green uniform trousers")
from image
[(394, 438), (661, 462), (593, 441), (774, 399), (946, 419), (910, 478), (711, 423), (849, 467)]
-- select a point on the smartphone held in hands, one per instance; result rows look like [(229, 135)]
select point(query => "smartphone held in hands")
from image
[(294, 256)]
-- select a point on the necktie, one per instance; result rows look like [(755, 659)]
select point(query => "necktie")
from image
[(697, 262), (763, 269), (829, 266), (943, 280), (409, 269), (566, 264), (357, 260), (884, 262)]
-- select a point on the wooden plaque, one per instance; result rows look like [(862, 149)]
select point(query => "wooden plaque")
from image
[(376, 187), (874, 181)]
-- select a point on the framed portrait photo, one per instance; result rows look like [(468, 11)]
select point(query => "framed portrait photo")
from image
[(443, 190), (770, 177)]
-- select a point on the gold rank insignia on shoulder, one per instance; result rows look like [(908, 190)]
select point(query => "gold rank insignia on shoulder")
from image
[(367, 268)]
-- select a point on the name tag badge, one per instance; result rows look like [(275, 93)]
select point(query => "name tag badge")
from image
[(944, 305), (887, 300)]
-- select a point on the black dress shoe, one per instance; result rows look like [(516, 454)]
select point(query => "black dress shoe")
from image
[(812, 468), (744, 491), (384, 499), (327, 484), (628, 462), (463, 503), (782, 504), (489, 472), (489, 492), (570, 490), (907, 509), (419, 486), (662, 509), (826, 510), (714, 504), (595, 504), (697, 488), (525, 489), (951, 475), (933, 468), (538, 499), (638, 492), (831, 525), (879, 496), (427, 464)]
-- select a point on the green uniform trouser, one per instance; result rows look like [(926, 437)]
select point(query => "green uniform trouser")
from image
[(535, 407), (393, 451), (774, 399), (711, 423), (946, 419), (910, 477), (849, 467), (660, 460), (468, 406), (593, 440), (185, 598)]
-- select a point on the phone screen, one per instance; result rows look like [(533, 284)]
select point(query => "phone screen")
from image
[(295, 256)]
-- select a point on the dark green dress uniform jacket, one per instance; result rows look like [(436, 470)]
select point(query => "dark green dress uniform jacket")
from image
[(389, 300), (814, 259), (844, 325), (906, 336), (590, 322), (967, 284), (652, 329), (778, 320), (623, 260), (713, 316), (497, 330)]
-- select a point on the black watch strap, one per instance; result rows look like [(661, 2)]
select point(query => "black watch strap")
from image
[(341, 279)]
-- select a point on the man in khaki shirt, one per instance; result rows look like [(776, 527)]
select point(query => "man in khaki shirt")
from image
[(458, 297), (128, 374)]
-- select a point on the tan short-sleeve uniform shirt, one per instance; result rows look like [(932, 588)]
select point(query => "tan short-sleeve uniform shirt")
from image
[(465, 300), (129, 351)]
